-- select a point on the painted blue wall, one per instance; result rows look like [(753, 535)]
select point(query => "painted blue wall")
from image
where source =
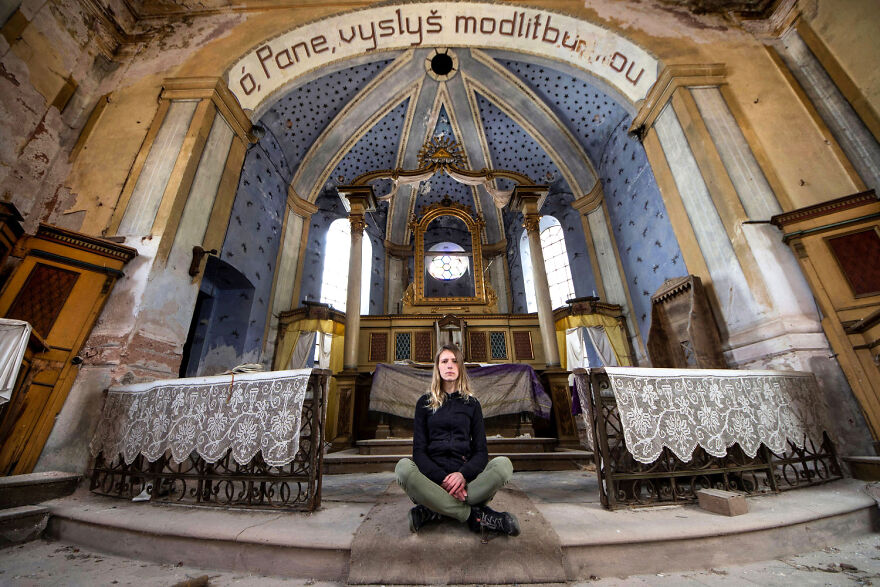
[(250, 247), (511, 148), (649, 251)]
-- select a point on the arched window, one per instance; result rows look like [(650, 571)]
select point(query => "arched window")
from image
[(334, 281), (555, 262)]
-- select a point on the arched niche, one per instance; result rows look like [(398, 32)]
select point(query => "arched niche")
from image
[(439, 224)]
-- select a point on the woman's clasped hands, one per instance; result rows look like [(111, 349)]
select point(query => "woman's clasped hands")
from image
[(455, 485)]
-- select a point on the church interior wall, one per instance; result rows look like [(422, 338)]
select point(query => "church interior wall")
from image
[(250, 246), (647, 245), (848, 31)]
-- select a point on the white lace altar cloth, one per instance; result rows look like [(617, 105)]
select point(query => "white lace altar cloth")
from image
[(246, 413), (680, 409)]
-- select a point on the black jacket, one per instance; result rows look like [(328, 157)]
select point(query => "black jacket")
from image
[(451, 439)]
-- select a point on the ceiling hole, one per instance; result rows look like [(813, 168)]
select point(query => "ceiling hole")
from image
[(441, 64)]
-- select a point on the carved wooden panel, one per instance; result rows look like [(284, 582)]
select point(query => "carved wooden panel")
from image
[(522, 345), (424, 351), (43, 295), (378, 347), (858, 255), (477, 347)]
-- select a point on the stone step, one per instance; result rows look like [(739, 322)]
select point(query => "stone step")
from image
[(23, 523), (403, 446), (866, 468), (32, 488), (349, 461)]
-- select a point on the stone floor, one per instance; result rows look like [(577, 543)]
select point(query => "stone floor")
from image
[(47, 563), (568, 500)]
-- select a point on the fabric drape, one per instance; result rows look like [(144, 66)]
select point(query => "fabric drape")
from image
[(614, 330), (14, 336), (599, 338)]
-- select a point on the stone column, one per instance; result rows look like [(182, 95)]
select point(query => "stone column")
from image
[(357, 201), (528, 200), (178, 196)]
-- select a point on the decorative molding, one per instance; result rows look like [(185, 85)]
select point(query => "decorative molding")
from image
[(772, 22), (299, 206), (825, 208), (590, 201), (397, 250), (672, 78), (494, 249), (99, 246), (214, 89)]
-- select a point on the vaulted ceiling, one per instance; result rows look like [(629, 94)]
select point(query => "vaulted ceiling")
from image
[(506, 110)]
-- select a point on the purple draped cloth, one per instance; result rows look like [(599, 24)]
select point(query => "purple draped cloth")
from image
[(510, 388)]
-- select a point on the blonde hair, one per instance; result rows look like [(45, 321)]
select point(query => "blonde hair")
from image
[(462, 383)]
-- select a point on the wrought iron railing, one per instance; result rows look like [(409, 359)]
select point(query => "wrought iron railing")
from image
[(625, 482), (294, 486)]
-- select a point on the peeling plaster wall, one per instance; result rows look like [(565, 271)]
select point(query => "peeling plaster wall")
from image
[(849, 30)]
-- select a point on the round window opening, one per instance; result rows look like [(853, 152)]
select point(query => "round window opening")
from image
[(450, 264), (441, 64)]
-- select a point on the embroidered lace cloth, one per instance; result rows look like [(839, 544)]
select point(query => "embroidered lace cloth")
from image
[(713, 409), (209, 415), (502, 389)]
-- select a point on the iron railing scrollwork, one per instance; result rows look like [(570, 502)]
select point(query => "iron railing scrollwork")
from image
[(255, 484), (625, 482)]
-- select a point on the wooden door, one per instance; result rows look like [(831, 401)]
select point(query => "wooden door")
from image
[(59, 288)]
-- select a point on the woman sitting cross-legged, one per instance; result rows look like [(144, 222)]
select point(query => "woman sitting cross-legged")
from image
[(448, 474)]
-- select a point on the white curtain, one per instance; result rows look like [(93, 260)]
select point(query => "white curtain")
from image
[(576, 355), (14, 336), (501, 197), (305, 346), (602, 344), (410, 180), (325, 341)]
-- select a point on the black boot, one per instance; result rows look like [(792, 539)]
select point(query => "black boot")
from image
[(485, 518), (419, 516)]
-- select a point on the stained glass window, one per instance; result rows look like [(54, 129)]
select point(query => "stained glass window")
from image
[(449, 266)]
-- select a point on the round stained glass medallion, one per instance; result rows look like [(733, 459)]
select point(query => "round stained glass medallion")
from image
[(449, 266)]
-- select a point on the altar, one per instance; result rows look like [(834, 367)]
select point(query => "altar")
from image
[(240, 439), (660, 435)]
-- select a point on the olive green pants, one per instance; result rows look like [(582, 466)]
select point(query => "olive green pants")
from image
[(423, 491)]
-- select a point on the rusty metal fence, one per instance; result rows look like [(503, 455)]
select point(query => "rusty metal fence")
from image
[(625, 482), (225, 483)]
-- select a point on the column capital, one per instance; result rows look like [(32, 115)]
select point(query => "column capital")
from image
[(357, 199), (671, 79), (216, 90), (531, 222), (357, 224), (528, 199)]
